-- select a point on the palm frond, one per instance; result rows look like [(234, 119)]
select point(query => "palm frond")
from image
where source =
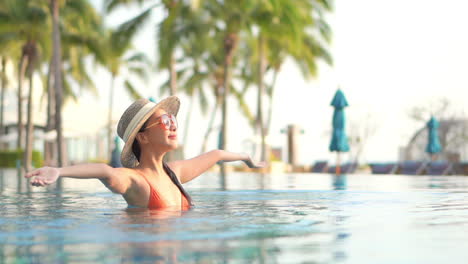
[(141, 72), (122, 37), (111, 5), (244, 106), (130, 88), (68, 93), (203, 101)]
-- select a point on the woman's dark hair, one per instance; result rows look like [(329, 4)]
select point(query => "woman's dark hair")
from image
[(137, 152)]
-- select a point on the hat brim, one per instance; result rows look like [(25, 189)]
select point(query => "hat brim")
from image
[(170, 105)]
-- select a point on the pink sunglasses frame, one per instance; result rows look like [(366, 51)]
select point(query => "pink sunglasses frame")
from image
[(172, 119)]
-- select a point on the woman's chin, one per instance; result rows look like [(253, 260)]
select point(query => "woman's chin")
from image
[(173, 145)]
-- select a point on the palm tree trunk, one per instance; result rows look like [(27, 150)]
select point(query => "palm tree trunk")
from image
[(270, 106), (187, 121), (109, 118), (261, 91), (225, 93), (57, 81), (50, 126), (173, 74), (2, 97), (210, 125), (230, 42), (30, 129), (21, 72)]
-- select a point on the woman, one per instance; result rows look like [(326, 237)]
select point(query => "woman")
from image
[(149, 131)]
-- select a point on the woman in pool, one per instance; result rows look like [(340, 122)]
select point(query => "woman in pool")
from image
[(149, 131)]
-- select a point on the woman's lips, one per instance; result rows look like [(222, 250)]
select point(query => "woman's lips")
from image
[(173, 136)]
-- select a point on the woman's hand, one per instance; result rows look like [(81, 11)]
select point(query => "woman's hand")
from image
[(253, 164), (43, 176)]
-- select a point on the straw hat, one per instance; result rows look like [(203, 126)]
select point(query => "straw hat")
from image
[(133, 119)]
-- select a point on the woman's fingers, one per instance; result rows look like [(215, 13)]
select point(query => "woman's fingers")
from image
[(35, 183), (42, 182), (38, 182), (33, 173), (252, 164), (260, 164)]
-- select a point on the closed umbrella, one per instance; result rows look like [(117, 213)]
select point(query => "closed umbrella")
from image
[(433, 144), (115, 156), (339, 141)]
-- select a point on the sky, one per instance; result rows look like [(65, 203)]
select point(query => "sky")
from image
[(389, 56)]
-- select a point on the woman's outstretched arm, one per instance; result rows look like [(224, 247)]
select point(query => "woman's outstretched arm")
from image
[(116, 179), (189, 169)]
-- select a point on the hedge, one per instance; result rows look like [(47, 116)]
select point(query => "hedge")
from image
[(8, 158)]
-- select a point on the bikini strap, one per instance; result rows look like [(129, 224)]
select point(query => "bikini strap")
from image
[(146, 179)]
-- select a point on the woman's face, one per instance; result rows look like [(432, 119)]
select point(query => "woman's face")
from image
[(160, 136)]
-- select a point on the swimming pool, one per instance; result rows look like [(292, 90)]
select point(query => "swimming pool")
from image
[(246, 218)]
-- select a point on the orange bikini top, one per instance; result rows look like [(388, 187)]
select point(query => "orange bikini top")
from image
[(157, 202)]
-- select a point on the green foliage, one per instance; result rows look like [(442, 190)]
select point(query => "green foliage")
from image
[(9, 158)]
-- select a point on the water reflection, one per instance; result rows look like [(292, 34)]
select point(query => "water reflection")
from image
[(153, 222), (2, 182), (339, 182), (290, 218)]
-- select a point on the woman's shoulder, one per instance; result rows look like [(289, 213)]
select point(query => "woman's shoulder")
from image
[(135, 179), (131, 173)]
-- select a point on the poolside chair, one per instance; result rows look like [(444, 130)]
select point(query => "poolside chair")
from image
[(320, 166), (346, 168), (352, 167), (439, 168), (383, 168), (460, 168), (412, 167)]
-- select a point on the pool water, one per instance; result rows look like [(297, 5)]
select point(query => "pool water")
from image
[(244, 218)]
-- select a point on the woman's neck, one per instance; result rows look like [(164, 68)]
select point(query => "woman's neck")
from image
[(152, 162)]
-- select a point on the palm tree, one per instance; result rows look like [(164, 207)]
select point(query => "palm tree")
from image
[(229, 18), (80, 31), (167, 35), (3, 87), (202, 58), (5, 44), (6, 47), (32, 54), (118, 57), (57, 78), (26, 21), (288, 29), (181, 30)]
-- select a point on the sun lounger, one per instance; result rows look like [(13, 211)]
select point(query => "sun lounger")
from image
[(412, 167), (383, 168), (352, 167), (346, 168), (320, 166), (439, 168), (460, 168)]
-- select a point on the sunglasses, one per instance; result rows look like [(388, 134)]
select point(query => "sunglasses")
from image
[(165, 121)]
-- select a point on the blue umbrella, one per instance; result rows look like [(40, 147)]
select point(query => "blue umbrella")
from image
[(339, 141), (433, 143), (115, 156)]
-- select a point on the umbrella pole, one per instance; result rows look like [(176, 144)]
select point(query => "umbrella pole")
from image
[(338, 170)]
